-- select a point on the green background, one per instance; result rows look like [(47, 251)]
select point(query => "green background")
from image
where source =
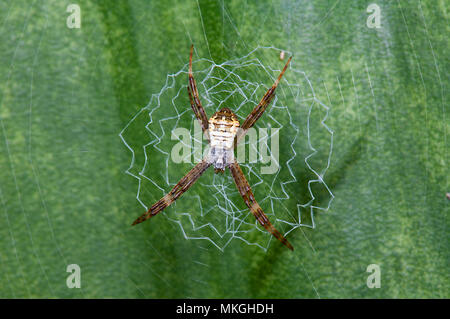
[(65, 95)]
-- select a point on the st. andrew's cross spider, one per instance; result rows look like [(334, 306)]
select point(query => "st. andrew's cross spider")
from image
[(224, 132)]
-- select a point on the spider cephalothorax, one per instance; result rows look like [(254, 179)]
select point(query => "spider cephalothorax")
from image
[(224, 132)]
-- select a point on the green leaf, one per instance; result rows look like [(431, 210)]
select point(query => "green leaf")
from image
[(65, 198)]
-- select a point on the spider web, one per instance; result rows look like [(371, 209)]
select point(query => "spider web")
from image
[(212, 209)]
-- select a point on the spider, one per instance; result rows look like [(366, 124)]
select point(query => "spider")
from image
[(223, 132)]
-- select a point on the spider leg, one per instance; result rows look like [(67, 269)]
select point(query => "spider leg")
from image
[(258, 111), (250, 201), (195, 99), (183, 185)]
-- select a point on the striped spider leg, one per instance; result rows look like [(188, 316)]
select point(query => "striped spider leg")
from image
[(249, 199), (259, 109), (223, 131), (183, 185), (196, 104)]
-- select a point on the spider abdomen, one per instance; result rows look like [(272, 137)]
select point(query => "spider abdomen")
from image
[(223, 127)]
